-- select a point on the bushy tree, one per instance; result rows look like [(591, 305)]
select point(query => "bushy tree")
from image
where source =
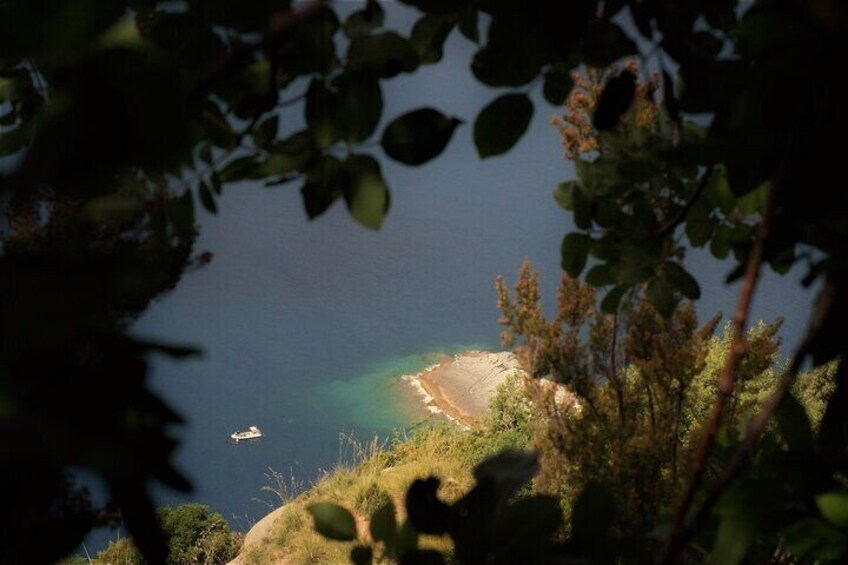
[(195, 535)]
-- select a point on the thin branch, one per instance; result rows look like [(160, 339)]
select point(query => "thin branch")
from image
[(759, 423), (670, 226), (613, 376), (726, 383)]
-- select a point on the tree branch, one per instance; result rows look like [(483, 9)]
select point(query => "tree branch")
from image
[(758, 425), (672, 224), (726, 383)]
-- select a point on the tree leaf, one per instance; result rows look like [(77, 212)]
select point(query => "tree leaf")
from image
[(239, 169), (564, 194), (359, 105), (207, 199), (574, 252), (501, 124), (508, 470), (428, 37), (384, 523), (684, 282), (794, 424), (427, 513), (325, 182), (605, 43), (614, 101), (610, 303), (266, 132), (513, 55), (558, 85), (467, 21), (332, 521), (734, 537), (366, 20), (288, 156), (600, 275), (386, 54), (418, 136), (661, 294), (834, 507), (366, 194), (320, 110)]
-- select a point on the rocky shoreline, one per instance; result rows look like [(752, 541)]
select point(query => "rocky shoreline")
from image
[(460, 388)]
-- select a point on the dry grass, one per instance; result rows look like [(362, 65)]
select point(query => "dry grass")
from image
[(369, 475)]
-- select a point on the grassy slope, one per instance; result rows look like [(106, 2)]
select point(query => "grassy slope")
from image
[(380, 474)]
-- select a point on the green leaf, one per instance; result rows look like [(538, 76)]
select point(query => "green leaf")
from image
[(332, 521), (508, 470), (418, 136), (359, 105), (558, 85), (384, 523), (266, 132), (605, 43), (239, 169), (564, 194), (719, 189), (467, 21), (207, 199), (734, 537), (309, 46), (513, 55), (699, 226), (720, 243), (661, 294), (366, 20), (288, 156), (501, 124), (609, 305), (367, 195), (794, 425), (583, 208), (428, 37), (614, 101), (682, 280), (426, 512), (325, 182), (320, 109), (574, 252), (386, 54), (600, 275), (815, 538), (834, 507), (215, 183)]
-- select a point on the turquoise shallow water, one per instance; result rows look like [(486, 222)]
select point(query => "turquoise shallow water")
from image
[(379, 399)]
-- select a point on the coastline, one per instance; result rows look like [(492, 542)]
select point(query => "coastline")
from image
[(460, 388)]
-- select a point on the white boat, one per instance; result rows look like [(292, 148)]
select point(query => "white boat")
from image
[(251, 433)]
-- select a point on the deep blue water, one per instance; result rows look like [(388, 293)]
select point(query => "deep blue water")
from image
[(305, 325)]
